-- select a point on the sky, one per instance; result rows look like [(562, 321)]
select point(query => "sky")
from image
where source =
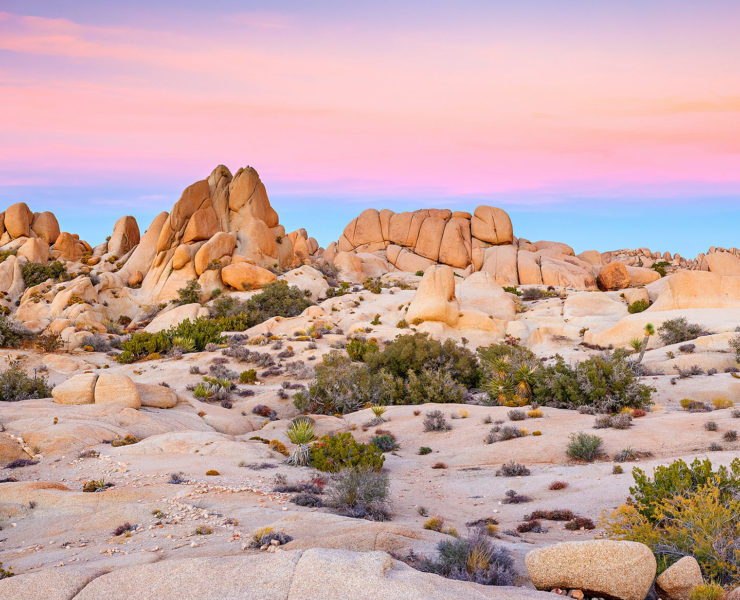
[(604, 125)]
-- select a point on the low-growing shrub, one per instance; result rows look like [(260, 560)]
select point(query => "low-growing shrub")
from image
[(584, 446), (16, 385), (710, 426), (551, 515), (248, 376), (512, 469), (730, 436), (335, 452), (513, 497), (677, 331), (517, 415), (96, 485), (386, 442), (620, 421), (357, 348), (190, 294), (425, 450), (12, 333), (512, 373), (501, 434), (579, 523), (722, 403), (533, 526), (435, 421), (359, 492), (638, 306), (474, 558), (558, 485), (34, 273)]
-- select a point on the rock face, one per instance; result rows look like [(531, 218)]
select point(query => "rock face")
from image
[(607, 568), (613, 276), (113, 388), (677, 581), (18, 219), (125, 236), (156, 396), (435, 298), (698, 289), (79, 389), (243, 276)]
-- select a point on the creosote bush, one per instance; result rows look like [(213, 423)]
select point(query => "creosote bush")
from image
[(677, 331)]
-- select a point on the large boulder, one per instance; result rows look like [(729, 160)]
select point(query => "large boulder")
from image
[(723, 263), (435, 298), (18, 218), (35, 250), (202, 225), (46, 226), (678, 580), (364, 229), (125, 236), (607, 568), (501, 262), (455, 248), (79, 389), (492, 225), (613, 276), (156, 396), (698, 289), (69, 247), (244, 276), (115, 388), (220, 245), (641, 276)]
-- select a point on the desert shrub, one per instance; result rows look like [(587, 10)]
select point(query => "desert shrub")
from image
[(630, 455), (638, 306), (190, 294), (512, 290), (580, 523), (702, 522), (357, 348), (341, 451), (607, 383), (34, 273), (301, 432), (676, 331), (126, 527), (474, 558), (532, 293), (511, 373), (722, 403), (19, 463), (517, 415), (127, 440), (199, 333), (435, 420), (533, 526), (98, 342), (342, 386), (501, 434), (417, 352), (512, 469), (425, 450), (584, 446), (535, 413), (730, 436), (142, 344), (15, 385), (710, 426), (373, 284), (276, 299), (620, 421), (735, 346), (707, 591), (385, 441), (5, 573), (248, 376), (551, 515), (513, 497), (436, 386), (359, 492), (12, 333), (96, 485), (263, 536), (558, 485)]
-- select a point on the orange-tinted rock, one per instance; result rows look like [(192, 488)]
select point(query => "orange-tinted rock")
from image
[(455, 249), (46, 226), (492, 225), (125, 236), (202, 225), (244, 276), (613, 276), (18, 219)]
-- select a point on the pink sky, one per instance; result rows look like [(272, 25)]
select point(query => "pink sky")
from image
[(314, 105)]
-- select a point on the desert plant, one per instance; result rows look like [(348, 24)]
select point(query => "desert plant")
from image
[(473, 558), (734, 344), (357, 348), (710, 426), (517, 415), (512, 469), (16, 385), (730, 436), (512, 371), (584, 446), (12, 333), (248, 376), (677, 331), (435, 421), (190, 294), (96, 485), (558, 485), (35, 273), (385, 441), (433, 385), (620, 421), (360, 492), (425, 450), (638, 306), (501, 434), (301, 433), (335, 452)]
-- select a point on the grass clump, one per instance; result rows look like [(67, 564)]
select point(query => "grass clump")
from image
[(584, 446), (474, 558), (425, 450), (360, 492)]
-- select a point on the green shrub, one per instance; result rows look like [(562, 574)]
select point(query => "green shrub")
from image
[(190, 294), (5, 573), (433, 386), (512, 290), (735, 346), (357, 348), (584, 446), (511, 374), (3, 255), (373, 285), (142, 344), (385, 441), (677, 331), (341, 451), (12, 332), (638, 306), (201, 332), (416, 352), (248, 376), (679, 478), (359, 492), (659, 267), (607, 383), (34, 273), (707, 591), (474, 558), (15, 385)]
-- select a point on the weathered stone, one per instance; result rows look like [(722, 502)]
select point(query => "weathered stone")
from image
[(125, 236), (613, 276), (156, 396), (115, 388), (79, 389), (435, 298), (46, 226), (492, 225), (18, 219), (244, 276), (678, 580)]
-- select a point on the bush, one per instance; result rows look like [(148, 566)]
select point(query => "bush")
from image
[(584, 446), (677, 331), (190, 294), (36, 273), (512, 373), (710, 426), (248, 376), (436, 386), (15, 385), (359, 492), (532, 293), (701, 522), (386, 442), (517, 415), (373, 285), (707, 591), (638, 306), (417, 352), (501, 434), (735, 346), (357, 348), (607, 383), (558, 485), (141, 344), (276, 299), (435, 421), (474, 558), (341, 451), (12, 332), (512, 469), (424, 450), (620, 421)]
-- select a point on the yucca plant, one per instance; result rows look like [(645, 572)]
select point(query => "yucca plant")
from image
[(378, 411), (649, 330), (301, 433), (510, 388)]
